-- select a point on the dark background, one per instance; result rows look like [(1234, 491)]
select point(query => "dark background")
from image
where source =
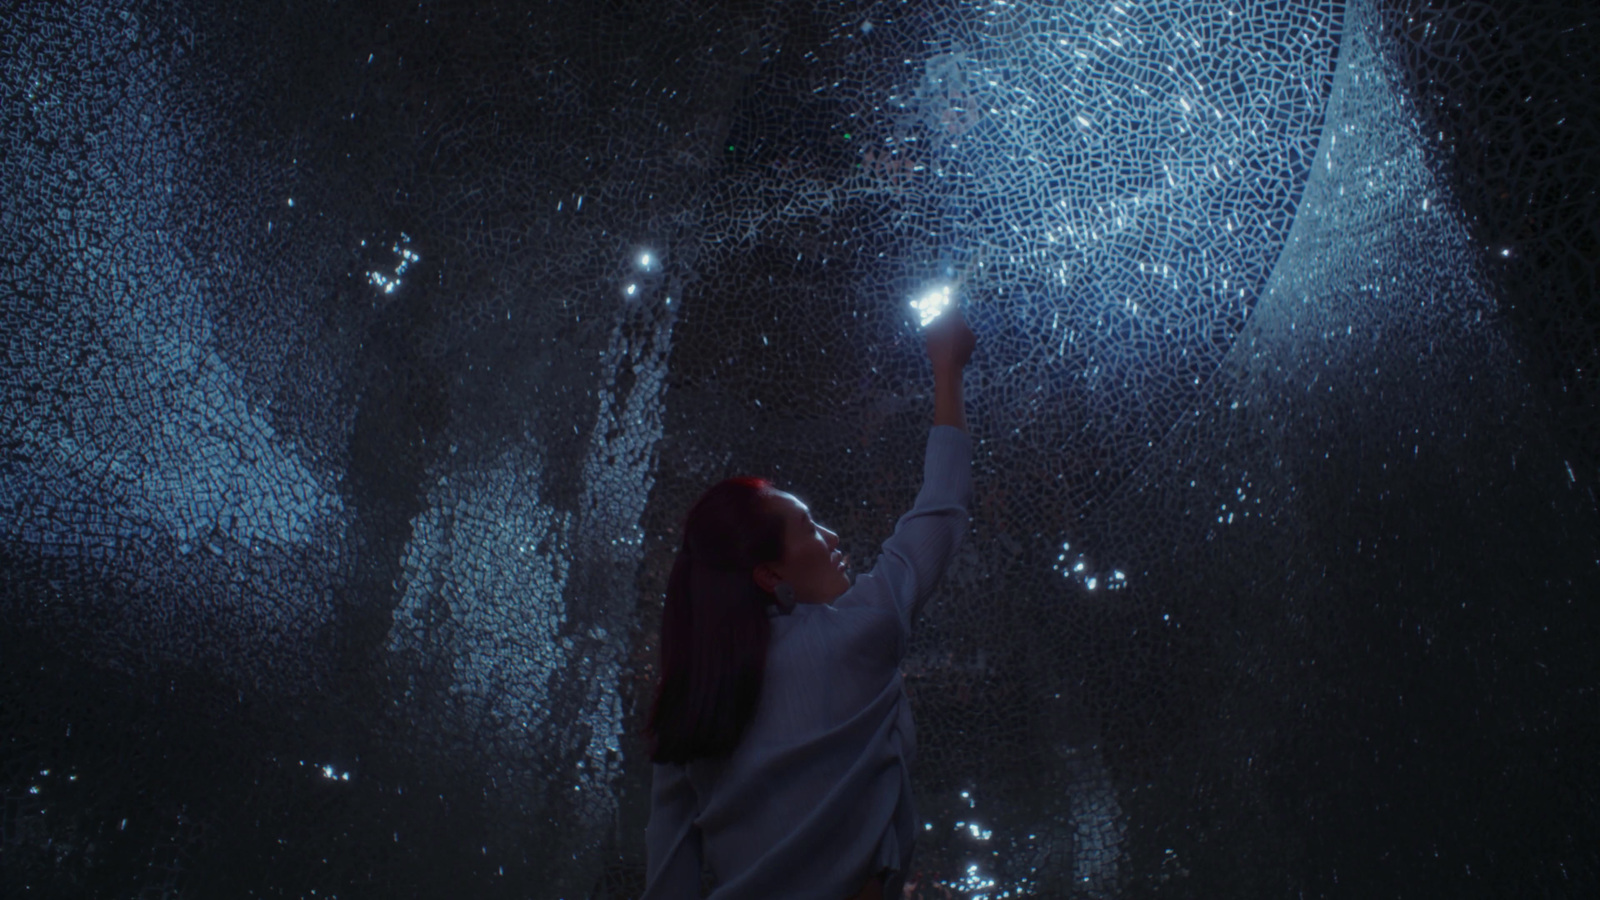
[(265, 525)]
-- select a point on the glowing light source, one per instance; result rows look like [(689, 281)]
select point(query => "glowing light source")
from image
[(387, 283), (932, 304)]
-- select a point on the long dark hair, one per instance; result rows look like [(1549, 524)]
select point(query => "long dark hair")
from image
[(714, 627)]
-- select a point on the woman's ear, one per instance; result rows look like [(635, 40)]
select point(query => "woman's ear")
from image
[(766, 578)]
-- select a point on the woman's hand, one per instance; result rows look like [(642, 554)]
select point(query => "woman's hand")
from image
[(950, 342)]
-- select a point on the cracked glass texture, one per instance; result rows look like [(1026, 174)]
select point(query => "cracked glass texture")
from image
[(363, 359)]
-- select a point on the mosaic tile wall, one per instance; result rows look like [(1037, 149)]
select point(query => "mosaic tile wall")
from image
[(363, 358)]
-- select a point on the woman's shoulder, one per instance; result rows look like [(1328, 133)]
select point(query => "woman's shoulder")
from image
[(854, 632)]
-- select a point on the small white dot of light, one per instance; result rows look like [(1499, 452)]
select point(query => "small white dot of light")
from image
[(44, 771), (632, 288), (644, 260), (34, 789), (927, 826), (389, 288), (1166, 617), (1092, 582), (327, 772), (1078, 567), (1505, 251), (291, 201)]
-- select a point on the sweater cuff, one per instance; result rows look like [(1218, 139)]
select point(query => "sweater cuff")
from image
[(947, 467)]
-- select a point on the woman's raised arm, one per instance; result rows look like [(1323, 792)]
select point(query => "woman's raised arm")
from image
[(950, 344)]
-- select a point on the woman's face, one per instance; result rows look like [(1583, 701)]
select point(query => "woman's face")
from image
[(810, 561)]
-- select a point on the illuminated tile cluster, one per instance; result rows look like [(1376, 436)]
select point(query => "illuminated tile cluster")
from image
[(477, 628), (363, 360)]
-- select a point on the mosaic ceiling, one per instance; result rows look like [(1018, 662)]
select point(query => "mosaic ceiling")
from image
[(364, 357)]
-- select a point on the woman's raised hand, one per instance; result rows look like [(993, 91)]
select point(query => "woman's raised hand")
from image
[(950, 341)]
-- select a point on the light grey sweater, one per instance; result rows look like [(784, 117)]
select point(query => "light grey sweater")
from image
[(817, 796)]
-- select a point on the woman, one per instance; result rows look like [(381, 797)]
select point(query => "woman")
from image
[(781, 732)]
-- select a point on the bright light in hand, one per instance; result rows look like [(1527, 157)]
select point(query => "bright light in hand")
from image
[(933, 303)]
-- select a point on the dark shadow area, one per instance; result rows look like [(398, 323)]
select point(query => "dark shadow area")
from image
[(363, 359)]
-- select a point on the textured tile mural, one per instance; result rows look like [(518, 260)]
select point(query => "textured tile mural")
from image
[(363, 358)]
